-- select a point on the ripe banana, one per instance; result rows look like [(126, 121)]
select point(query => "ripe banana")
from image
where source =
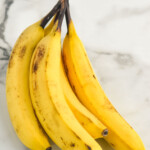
[(83, 115), (19, 103), (46, 112), (52, 70), (86, 118), (20, 108), (87, 88)]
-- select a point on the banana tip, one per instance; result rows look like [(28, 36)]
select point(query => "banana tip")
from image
[(105, 132)]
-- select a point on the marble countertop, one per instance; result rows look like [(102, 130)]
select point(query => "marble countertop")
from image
[(116, 35)]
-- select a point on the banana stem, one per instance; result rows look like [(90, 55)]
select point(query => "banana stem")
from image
[(67, 15), (61, 14), (50, 14), (57, 16), (58, 12)]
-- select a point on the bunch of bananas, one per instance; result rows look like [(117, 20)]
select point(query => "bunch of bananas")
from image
[(54, 93)]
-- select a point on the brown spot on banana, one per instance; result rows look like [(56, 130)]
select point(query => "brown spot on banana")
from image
[(10, 64), (112, 144), (22, 52), (94, 76), (38, 57), (41, 51), (89, 148), (83, 124), (72, 144), (35, 67), (66, 70)]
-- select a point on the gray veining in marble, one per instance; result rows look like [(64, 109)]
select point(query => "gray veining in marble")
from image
[(116, 35)]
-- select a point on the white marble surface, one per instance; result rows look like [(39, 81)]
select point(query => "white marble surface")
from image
[(116, 35)]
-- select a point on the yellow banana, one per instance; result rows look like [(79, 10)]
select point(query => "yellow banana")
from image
[(19, 103), (20, 108), (87, 88), (86, 118), (46, 112), (52, 70)]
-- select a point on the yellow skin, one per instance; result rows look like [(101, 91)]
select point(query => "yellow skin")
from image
[(56, 94), (84, 116), (45, 110), (19, 104), (86, 86)]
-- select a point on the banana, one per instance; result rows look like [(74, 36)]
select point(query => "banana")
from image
[(45, 110), (52, 70), (86, 118), (19, 103), (87, 88)]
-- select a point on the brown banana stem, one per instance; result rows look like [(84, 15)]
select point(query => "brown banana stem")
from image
[(67, 15), (57, 15), (50, 14), (62, 13)]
